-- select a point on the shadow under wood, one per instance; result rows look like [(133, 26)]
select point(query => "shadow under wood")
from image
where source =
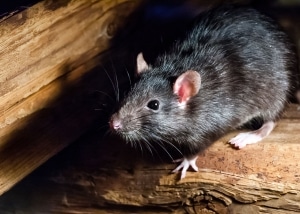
[(74, 111)]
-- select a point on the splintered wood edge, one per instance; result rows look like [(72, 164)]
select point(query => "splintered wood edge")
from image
[(244, 189), (228, 188), (231, 187), (116, 180)]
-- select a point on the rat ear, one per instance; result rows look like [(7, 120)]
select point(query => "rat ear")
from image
[(187, 85), (141, 64)]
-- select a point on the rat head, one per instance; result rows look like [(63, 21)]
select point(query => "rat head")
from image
[(155, 108)]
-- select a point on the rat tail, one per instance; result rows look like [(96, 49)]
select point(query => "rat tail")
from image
[(298, 96)]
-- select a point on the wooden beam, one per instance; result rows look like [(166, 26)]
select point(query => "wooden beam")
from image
[(44, 52), (46, 41), (108, 176)]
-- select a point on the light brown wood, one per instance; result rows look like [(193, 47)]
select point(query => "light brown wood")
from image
[(43, 43), (44, 52), (108, 176), (265, 176)]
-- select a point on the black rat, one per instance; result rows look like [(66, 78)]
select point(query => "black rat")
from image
[(234, 66)]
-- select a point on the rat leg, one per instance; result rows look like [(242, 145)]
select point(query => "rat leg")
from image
[(185, 164), (242, 139)]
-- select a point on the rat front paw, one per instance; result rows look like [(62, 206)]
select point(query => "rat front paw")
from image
[(185, 164)]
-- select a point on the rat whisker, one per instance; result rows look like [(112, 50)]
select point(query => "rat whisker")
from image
[(140, 117), (130, 84), (151, 147), (108, 131), (106, 94), (133, 144), (140, 146), (154, 150), (112, 83), (103, 126), (116, 80), (147, 144), (148, 130), (162, 146), (172, 145)]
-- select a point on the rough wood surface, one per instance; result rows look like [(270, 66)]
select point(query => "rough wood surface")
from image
[(44, 51), (109, 177), (47, 41)]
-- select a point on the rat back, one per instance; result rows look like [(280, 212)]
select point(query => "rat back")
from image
[(247, 65)]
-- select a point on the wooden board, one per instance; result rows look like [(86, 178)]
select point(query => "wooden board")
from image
[(105, 175), (45, 51)]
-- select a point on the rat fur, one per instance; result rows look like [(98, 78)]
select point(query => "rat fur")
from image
[(234, 66)]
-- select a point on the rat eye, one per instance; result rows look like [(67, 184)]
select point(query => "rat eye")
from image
[(153, 104)]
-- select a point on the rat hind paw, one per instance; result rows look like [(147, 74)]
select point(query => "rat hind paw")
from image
[(185, 164), (243, 139)]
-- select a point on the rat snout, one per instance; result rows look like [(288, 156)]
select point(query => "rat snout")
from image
[(115, 123)]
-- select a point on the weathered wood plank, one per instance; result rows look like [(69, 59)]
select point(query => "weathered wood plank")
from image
[(264, 175), (109, 176), (44, 52), (45, 42)]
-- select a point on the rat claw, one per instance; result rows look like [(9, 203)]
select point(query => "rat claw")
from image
[(193, 164), (179, 167), (185, 164), (178, 160)]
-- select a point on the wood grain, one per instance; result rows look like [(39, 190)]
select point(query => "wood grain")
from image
[(108, 176), (44, 43), (44, 52)]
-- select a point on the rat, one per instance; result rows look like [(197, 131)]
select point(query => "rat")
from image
[(233, 66)]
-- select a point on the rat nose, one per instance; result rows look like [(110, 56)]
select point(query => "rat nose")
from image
[(115, 123)]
